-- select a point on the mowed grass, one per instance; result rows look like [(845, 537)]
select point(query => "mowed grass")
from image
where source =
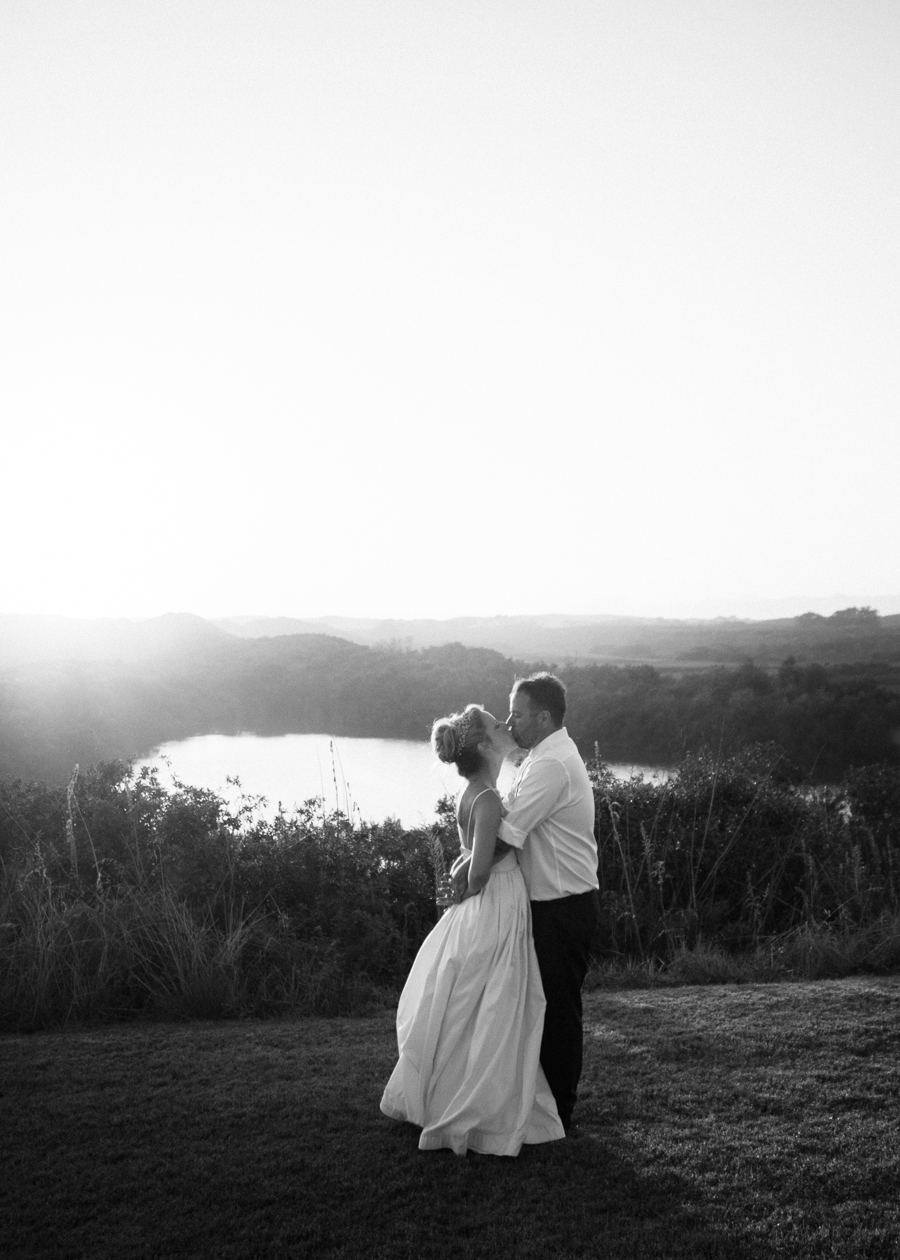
[(738, 1121)]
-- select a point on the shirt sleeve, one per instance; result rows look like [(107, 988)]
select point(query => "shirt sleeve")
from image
[(540, 789)]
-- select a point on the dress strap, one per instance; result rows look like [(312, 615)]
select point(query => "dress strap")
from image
[(472, 811)]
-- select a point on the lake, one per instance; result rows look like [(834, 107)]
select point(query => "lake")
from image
[(367, 779)]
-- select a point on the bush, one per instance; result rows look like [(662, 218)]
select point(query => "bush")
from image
[(732, 852), (120, 898)]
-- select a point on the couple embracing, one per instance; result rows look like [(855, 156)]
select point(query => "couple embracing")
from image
[(489, 1024)]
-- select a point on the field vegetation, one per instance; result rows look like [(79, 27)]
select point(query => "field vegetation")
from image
[(121, 899)]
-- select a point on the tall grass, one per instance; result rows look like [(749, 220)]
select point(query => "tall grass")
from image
[(132, 900), (143, 950), (730, 852), (121, 898)]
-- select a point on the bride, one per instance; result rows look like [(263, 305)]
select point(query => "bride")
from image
[(471, 1014)]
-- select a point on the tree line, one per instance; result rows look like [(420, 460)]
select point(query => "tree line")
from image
[(824, 719)]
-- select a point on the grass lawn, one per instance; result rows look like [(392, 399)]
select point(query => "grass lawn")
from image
[(740, 1121)]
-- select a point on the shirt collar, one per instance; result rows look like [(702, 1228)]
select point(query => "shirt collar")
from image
[(549, 743)]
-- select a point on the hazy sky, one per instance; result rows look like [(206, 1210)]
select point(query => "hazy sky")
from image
[(418, 308)]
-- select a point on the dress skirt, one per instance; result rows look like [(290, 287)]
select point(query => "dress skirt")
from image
[(469, 1028)]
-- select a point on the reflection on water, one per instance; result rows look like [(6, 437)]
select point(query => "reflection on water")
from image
[(368, 779)]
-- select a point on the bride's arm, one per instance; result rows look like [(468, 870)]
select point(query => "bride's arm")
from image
[(487, 820)]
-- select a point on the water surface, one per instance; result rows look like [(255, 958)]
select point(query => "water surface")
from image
[(367, 779)]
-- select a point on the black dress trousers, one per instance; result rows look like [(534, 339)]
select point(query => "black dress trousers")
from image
[(563, 930)]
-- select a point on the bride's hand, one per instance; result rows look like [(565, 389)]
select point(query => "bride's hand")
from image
[(459, 877)]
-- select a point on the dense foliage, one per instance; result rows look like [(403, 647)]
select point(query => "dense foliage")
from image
[(826, 719), (730, 851), (118, 897)]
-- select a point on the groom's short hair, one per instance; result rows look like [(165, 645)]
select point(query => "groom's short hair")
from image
[(545, 691)]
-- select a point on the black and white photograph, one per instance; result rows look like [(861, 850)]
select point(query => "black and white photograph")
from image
[(450, 629)]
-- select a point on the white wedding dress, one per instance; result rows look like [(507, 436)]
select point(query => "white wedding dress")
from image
[(469, 1028)]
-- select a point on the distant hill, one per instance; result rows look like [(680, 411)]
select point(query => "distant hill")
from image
[(552, 638), (662, 642), (515, 636), (35, 638), (62, 702), (81, 692), (272, 627)]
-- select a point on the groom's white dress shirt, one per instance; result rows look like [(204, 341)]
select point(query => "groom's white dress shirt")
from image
[(550, 820)]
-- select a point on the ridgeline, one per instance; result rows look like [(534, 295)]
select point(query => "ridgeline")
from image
[(825, 690)]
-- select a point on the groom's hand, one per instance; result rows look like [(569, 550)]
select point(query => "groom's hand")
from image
[(459, 877)]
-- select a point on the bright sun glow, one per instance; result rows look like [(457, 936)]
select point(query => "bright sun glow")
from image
[(409, 309)]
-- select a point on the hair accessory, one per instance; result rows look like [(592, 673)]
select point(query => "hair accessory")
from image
[(462, 730)]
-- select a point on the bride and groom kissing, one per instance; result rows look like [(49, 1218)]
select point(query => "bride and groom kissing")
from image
[(489, 1024)]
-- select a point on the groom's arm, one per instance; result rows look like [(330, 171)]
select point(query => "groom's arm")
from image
[(459, 875), (539, 792)]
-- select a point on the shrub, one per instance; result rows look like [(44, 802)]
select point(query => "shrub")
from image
[(123, 898), (119, 898), (732, 852)]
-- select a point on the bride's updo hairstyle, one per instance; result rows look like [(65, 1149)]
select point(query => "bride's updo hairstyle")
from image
[(456, 738)]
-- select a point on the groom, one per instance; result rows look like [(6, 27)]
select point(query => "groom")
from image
[(550, 820)]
